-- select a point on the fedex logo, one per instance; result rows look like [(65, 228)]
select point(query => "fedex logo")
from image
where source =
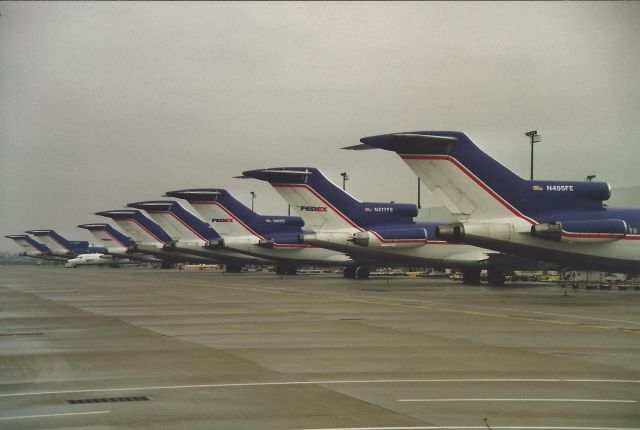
[(221, 219), (313, 208)]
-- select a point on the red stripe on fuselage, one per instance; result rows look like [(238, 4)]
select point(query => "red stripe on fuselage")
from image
[(592, 235)]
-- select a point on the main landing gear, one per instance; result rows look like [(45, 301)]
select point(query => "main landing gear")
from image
[(286, 270), (233, 268), (495, 276), (356, 272)]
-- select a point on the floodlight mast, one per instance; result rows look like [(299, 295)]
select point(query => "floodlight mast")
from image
[(534, 138), (253, 197), (345, 178)]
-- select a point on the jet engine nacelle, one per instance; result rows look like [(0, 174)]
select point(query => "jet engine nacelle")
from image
[(581, 231), (341, 238), (461, 232), (397, 238)]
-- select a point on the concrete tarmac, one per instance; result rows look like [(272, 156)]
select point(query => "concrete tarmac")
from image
[(139, 348)]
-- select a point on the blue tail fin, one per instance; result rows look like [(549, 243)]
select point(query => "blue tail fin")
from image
[(108, 236), (323, 205), (230, 217), (142, 229), (178, 221), (474, 185), (57, 243), (28, 244)]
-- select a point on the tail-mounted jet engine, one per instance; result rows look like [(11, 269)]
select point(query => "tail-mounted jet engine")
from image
[(398, 238), (582, 231)]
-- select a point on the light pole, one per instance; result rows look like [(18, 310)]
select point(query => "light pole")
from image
[(253, 197), (535, 138), (345, 178), (419, 194)]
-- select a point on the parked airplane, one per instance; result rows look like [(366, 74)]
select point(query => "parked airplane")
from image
[(562, 222), (34, 249), (96, 259), (374, 230), (61, 247), (116, 243), (193, 235), (150, 238), (264, 236)]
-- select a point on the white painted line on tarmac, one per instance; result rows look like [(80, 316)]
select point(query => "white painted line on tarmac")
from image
[(54, 415), (520, 400), (474, 428), (327, 382)]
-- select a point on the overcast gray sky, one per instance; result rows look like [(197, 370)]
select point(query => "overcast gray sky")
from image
[(107, 103)]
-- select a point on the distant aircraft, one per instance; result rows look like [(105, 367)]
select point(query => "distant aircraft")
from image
[(193, 235), (384, 232), (562, 222), (96, 259), (34, 249), (61, 247), (150, 238), (267, 236)]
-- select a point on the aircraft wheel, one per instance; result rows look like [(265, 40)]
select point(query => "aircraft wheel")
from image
[(349, 272), (362, 272), (471, 276), (290, 270), (233, 268), (495, 276)]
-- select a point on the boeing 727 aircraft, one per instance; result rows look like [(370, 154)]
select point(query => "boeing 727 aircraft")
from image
[(116, 243), (383, 232), (193, 235), (562, 222), (61, 247), (265, 236), (150, 238), (34, 249)]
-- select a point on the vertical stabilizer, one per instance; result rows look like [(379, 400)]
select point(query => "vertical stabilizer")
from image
[(109, 237), (178, 222), (139, 227), (476, 187), (28, 245)]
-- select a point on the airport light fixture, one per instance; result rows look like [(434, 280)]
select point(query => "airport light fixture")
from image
[(534, 138), (589, 178), (345, 178), (253, 197), (419, 194)]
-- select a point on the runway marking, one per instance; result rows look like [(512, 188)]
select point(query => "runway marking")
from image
[(54, 415), (520, 400), (474, 428), (327, 382), (416, 305)]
